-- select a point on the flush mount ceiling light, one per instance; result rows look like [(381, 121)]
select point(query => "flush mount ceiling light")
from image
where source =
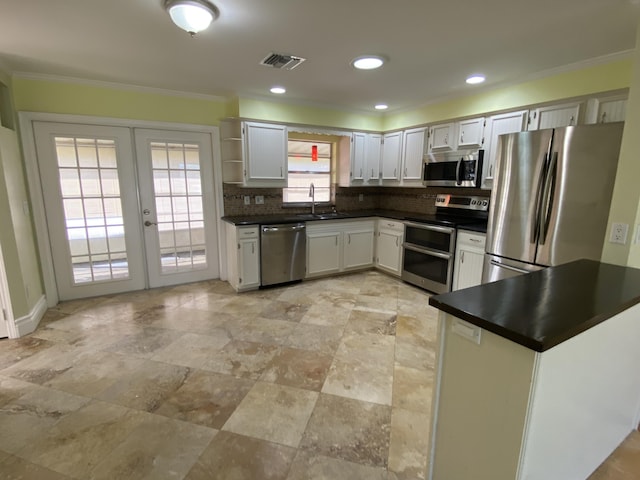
[(381, 106), (192, 16), (278, 90), (475, 79), (368, 62)]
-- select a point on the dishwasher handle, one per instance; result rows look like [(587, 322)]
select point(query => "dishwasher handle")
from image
[(284, 228)]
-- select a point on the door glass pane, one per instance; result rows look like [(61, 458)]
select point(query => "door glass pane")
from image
[(177, 183), (90, 189)]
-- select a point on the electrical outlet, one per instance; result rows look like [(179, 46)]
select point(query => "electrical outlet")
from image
[(259, 199), (637, 239), (247, 200), (619, 233), (361, 197)]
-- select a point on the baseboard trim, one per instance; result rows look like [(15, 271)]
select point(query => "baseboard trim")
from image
[(28, 323)]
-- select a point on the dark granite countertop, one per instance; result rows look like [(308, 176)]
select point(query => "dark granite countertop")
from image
[(240, 220), (542, 309)]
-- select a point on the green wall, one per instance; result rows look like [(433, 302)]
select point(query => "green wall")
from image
[(82, 99), (600, 78)]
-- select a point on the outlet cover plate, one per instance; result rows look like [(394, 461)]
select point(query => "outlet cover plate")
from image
[(259, 199), (619, 233), (247, 200)]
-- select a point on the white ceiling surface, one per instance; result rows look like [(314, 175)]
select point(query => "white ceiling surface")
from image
[(431, 45)]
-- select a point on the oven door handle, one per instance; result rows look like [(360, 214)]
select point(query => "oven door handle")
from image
[(426, 226), (426, 251), (458, 179)]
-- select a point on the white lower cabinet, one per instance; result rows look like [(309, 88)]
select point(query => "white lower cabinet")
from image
[(469, 259), (390, 235), (243, 250), (337, 246)]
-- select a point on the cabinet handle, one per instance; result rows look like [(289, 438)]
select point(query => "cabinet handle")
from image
[(349, 239), (490, 170), (336, 241), (604, 115), (397, 242), (372, 173), (395, 171), (462, 137), (462, 257), (474, 240), (361, 172), (446, 139), (253, 248), (571, 120), (405, 171)]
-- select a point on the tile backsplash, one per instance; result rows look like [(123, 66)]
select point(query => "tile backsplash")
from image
[(420, 200)]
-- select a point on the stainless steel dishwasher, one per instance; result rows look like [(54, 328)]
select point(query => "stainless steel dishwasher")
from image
[(283, 251)]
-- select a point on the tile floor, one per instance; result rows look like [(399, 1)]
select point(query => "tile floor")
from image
[(327, 379)]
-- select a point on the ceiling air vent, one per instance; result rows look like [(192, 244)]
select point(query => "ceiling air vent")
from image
[(286, 62)]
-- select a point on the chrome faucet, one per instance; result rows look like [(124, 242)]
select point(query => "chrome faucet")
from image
[(312, 195)]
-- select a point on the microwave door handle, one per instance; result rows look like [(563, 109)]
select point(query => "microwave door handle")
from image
[(535, 230), (549, 192), (458, 179)]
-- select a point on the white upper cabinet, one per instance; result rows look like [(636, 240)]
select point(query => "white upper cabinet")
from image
[(553, 116), (471, 133), (254, 154), (442, 137), (265, 154), (499, 125), (391, 156), (373, 156), (358, 148), (611, 108), (413, 154)]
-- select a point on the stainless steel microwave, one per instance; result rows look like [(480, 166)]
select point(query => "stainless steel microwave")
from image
[(453, 169)]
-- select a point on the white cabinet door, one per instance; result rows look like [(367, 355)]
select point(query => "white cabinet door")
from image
[(607, 109), (469, 260), (469, 265), (554, 116), (471, 133), (248, 263), (413, 154), (442, 137), (373, 154), (323, 253), (499, 125), (391, 154), (358, 248), (265, 154), (389, 251), (358, 155)]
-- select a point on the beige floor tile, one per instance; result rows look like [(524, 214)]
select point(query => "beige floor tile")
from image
[(16, 468), (188, 320), (360, 380), (260, 330), (369, 348), (623, 463), (273, 412), (147, 387), (327, 314), (279, 310), (409, 444), (363, 321), (46, 364), (377, 303), (14, 350), (318, 338), (11, 389), (307, 466), (350, 430), (82, 439), (206, 398), (25, 419), (158, 448), (298, 368), (415, 354), (192, 349), (413, 389), (242, 359), (146, 343), (236, 457)]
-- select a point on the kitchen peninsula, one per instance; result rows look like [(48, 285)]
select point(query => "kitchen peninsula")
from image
[(537, 374)]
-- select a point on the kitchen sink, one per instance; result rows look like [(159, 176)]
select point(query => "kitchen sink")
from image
[(320, 216)]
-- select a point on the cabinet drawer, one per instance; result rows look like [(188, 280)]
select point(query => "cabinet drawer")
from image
[(248, 232), (390, 224), (470, 239)]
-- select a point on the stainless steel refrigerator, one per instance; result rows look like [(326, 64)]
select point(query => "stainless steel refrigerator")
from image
[(550, 198)]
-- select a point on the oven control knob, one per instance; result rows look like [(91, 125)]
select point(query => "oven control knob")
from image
[(485, 203), (473, 202)]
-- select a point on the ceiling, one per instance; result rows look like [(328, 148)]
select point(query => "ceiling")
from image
[(432, 46)]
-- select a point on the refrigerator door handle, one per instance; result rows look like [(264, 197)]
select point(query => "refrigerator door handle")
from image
[(535, 231), (509, 267), (549, 192)]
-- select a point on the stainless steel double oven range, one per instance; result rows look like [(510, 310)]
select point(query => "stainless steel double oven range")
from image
[(430, 240)]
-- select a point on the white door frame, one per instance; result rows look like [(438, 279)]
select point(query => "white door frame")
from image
[(26, 120), (5, 301)]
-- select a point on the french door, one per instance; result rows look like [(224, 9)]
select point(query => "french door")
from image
[(126, 208)]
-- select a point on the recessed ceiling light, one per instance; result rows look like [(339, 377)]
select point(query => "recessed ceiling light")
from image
[(475, 79), (381, 106), (368, 62), (278, 90)]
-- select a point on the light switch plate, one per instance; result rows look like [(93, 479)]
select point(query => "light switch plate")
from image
[(247, 200), (619, 233), (259, 200)]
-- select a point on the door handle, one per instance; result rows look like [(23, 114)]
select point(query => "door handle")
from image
[(147, 223)]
